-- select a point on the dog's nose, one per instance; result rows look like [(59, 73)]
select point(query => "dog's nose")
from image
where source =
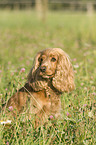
[(43, 68)]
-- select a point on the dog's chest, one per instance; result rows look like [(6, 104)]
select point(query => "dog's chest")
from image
[(54, 99), (46, 101)]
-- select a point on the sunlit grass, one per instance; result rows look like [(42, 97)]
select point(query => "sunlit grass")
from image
[(22, 35)]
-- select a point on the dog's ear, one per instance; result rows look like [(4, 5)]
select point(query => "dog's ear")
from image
[(36, 64), (63, 80)]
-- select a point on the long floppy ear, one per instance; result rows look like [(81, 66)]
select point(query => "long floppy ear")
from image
[(35, 81), (63, 80), (31, 74)]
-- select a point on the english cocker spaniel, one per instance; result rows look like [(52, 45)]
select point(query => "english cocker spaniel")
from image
[(50, 76)]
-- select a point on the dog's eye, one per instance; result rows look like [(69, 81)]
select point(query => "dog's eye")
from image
[(53, 59), (41, 59)]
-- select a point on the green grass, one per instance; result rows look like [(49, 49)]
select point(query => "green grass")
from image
[(22, 35)]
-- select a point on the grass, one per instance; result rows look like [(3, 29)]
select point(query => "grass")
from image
[(22, 35)]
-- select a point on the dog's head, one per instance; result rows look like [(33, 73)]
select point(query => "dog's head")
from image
[(53, 63)]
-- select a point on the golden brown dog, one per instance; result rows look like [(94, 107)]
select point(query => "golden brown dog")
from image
[(50, 76)]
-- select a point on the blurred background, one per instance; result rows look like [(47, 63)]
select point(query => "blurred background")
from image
[(42, 6)]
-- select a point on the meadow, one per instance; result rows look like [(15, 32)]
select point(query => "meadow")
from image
[(22, 35)]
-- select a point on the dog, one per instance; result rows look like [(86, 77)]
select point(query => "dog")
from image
[(51, 75)]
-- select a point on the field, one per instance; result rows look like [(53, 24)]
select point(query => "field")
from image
[(22, 35)]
